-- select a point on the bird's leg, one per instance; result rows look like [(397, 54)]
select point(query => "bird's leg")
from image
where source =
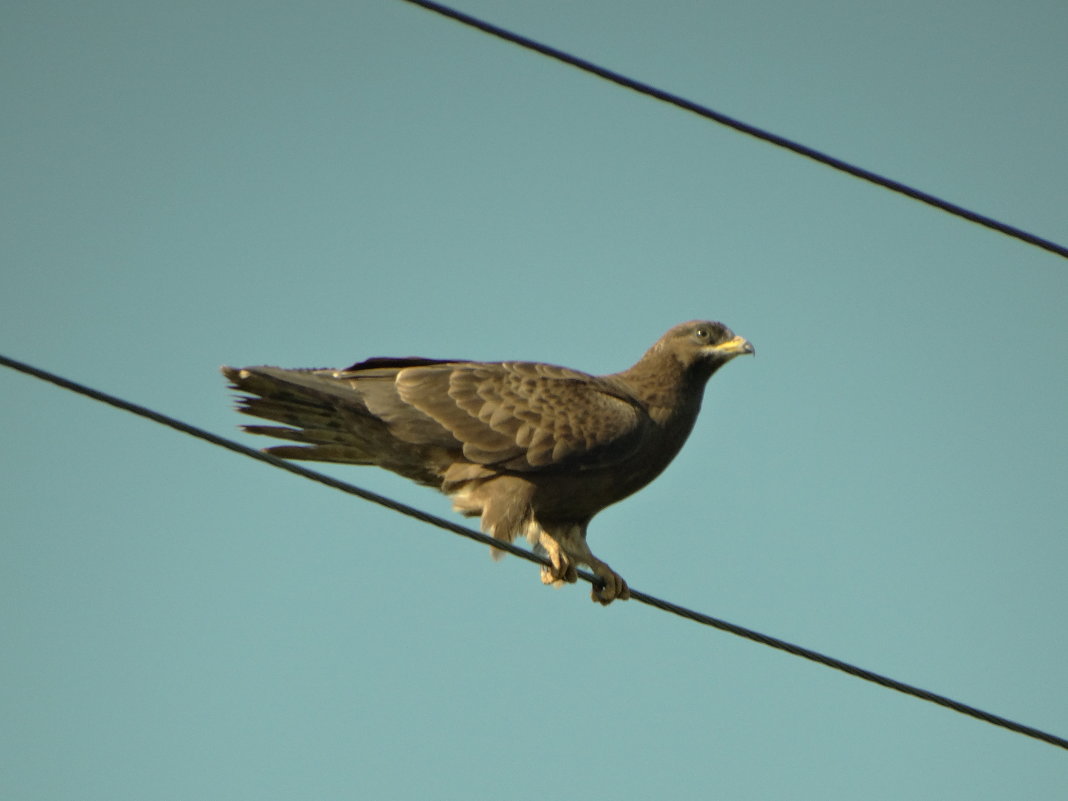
[(566, 548)]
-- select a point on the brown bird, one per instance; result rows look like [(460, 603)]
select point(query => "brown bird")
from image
[(531, 448)]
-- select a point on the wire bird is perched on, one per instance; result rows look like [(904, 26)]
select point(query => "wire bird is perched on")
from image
[(532, 448)]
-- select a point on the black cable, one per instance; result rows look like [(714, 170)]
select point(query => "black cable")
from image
[(738, 125), (463, 531)]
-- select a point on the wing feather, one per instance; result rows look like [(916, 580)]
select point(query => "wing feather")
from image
[(521, 416), (525, 415)]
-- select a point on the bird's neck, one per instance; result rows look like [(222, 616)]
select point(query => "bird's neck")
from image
[(670, 392)]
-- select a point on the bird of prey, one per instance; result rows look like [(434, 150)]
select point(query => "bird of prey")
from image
[(530, 448)]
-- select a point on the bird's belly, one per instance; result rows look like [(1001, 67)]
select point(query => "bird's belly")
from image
[(578, 496)]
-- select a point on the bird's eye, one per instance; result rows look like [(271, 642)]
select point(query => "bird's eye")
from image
[(701, 333)]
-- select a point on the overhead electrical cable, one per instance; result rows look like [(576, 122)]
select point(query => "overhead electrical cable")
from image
[(743, 127), (641, 597)]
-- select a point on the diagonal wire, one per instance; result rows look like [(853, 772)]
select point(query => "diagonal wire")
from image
[(743, 127), (463, 531)]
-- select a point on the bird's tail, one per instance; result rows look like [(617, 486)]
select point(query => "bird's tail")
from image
[(317, 410), (326, 414)]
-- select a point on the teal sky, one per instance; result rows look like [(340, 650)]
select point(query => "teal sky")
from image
[(186, 185)]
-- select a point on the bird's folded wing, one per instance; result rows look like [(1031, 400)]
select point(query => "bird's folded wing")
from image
[(526, 416)]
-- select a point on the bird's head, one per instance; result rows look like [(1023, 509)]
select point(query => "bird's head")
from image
[(704, 345)]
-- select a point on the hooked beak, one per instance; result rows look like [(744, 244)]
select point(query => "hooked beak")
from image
[(739, 346)]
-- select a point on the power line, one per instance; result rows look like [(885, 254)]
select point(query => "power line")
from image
[(743, 127), (641, 597)]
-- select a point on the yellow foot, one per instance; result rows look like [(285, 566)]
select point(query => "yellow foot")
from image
[(613, 587), (558, 574)]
